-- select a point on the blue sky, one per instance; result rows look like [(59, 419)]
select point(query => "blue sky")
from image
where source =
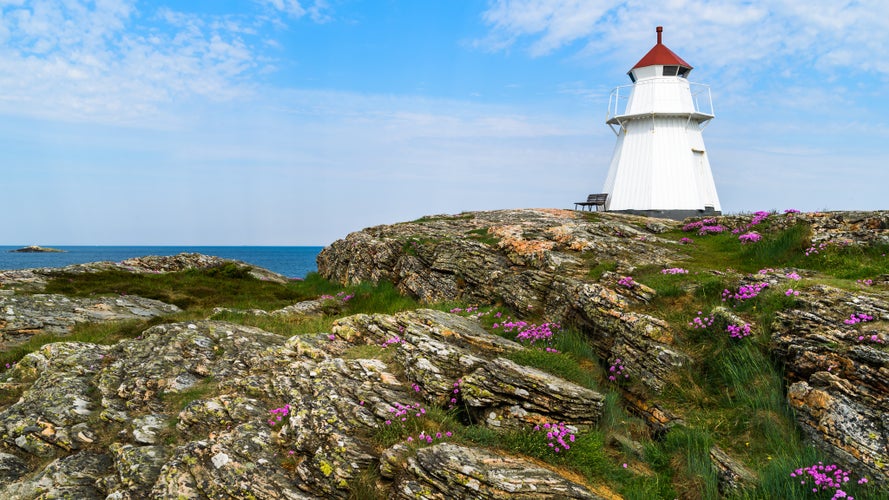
[(285, 122)]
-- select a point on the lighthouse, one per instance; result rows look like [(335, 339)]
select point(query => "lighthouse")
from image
[(660, 166)]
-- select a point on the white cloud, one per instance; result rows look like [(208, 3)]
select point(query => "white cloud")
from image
[(107, 61), (558, 22), (723, 33), (317, 12), (289, 7)]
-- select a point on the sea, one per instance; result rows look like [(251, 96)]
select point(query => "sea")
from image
[(293, 262)]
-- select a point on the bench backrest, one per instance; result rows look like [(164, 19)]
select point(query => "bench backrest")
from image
[(598, 199)]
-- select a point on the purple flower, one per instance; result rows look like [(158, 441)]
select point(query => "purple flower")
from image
[(751, 237), (738, 331), (674, 270)]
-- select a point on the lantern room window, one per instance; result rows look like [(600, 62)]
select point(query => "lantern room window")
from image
[(683, 71), (671, 70)]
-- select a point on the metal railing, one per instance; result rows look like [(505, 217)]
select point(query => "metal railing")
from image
[(618, 101), (701, 99)]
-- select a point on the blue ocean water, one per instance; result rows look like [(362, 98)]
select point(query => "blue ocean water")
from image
[(293, 262)]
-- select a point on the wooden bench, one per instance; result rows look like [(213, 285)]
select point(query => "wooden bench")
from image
[(593, 200)]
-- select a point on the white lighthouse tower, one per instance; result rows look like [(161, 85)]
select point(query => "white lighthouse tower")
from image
[(660, 167)]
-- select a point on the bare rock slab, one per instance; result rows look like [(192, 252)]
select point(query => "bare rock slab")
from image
[(24, 315), (449, 471)]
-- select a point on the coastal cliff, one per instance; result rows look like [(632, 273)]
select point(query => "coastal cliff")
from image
[(533, 354)]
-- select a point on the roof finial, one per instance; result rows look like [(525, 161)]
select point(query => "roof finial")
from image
[(660, 30)]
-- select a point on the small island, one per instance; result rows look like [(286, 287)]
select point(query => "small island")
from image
[(37, 249)]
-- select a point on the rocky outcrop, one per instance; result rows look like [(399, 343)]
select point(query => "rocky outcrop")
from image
[(36, 249), (211, 409), (838, 373), (446, 471), (305, 307), (190, 409), (22, 316), (508, 255), (34, 280), (442, 352), (529, 260), (567, 266)]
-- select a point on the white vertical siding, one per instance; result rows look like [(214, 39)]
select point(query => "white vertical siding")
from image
[(654, 166)]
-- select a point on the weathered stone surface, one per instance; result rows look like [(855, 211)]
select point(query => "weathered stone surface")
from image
[(435, 348), (181, 356), (447, 257), (513, 396), (11, 468), (643, 343), (303, 308), (240, 464), (852, 227), (221, 380), (137, 467), (60, 397), (446, 471), (530, 260), (26, 315), (73, 476), (838, 376)]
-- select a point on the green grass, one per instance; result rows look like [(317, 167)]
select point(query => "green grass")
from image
[(561, 365), (483, 235), (366, 485), (601, 267), (433, 218), (380, 298), (286, 326), (732, 394), (689, 448), (783, 248), (224, 286)]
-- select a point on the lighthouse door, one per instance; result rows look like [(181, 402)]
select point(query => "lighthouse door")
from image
[(701, 170)]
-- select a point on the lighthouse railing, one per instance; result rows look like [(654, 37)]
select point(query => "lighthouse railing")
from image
[(618, 101), (702, 98)]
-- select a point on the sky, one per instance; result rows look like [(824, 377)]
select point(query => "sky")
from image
[(295, 122)]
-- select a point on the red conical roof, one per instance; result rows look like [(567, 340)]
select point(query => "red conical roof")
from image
[(660, 54)]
